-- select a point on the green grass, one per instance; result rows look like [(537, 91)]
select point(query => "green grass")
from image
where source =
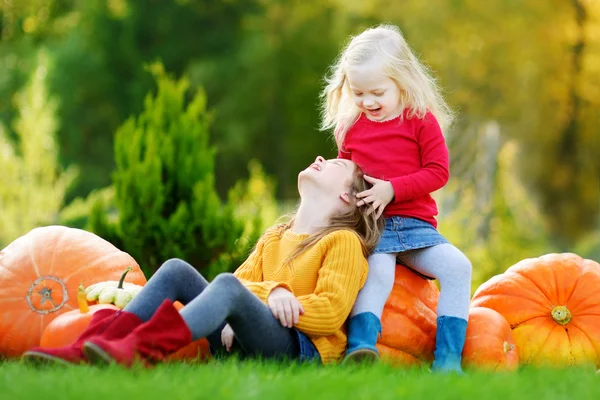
[(238, 380)]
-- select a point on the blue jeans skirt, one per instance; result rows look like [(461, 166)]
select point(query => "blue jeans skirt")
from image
[(404, 234)]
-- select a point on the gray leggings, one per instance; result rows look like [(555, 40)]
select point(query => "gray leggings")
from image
[(209, 306)]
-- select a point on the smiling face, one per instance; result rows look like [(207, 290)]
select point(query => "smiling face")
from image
[(374, 93), (329, 179)]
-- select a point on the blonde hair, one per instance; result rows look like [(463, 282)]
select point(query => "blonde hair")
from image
[(358, 220), (419, 91)]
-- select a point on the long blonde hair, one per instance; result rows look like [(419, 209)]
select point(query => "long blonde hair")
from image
[(419, 91), (358, 220)]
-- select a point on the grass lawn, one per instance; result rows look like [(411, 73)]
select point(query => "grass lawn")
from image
[(244, 380)]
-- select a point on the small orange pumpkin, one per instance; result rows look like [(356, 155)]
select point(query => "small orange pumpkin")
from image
[(195, 351), (553, 306), (409, 320), (490, 344), (67, 327), (39, 276)]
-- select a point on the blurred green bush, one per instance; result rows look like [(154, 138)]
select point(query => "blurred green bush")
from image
[(162, 202), (32, 184)]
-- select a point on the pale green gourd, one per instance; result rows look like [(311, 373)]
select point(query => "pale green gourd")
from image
[(113, 292)]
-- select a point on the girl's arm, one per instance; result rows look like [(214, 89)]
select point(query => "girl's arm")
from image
[(250, 273), (434, 160), (342, 274)]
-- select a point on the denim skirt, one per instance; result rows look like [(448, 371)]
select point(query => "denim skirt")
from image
[(404, 234)]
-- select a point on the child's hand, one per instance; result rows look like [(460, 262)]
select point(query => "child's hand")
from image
[(380, 195), (227, 337), (285, 306)]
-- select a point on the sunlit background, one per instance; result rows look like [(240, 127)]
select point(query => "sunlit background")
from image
[(522, 76)]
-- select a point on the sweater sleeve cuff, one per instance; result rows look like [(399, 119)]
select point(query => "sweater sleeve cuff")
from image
[(262, 290), (400, 188)]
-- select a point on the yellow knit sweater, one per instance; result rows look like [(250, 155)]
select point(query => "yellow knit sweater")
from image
[(325, 279)]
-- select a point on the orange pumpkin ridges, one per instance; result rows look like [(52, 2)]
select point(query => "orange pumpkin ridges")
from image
[(39, 275), (489, 343), (396, 357), (409, 320), (553, 305)]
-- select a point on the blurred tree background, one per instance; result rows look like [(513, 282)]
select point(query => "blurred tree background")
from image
[(524, 78)]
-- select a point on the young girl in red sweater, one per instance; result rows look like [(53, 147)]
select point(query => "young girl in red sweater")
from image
[(385, 111)]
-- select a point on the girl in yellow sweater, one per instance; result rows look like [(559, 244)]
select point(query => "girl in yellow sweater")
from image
[(289, 299)]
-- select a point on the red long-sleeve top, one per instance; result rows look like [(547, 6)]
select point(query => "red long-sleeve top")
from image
[(410, 153)]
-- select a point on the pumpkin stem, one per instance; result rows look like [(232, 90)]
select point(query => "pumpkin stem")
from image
[(123, 277), (561, 314), (508, 347), (81, 300)]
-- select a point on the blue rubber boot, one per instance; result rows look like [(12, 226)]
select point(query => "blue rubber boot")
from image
[(363, 330), (449, 343)]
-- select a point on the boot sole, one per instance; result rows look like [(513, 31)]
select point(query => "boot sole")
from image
[(35, 358), (361, 356), (96, 355)]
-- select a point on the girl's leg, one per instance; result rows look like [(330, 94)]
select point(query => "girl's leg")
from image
[(225, 299), (364, 325), (379, 284), (452, 268), (208, 305), (175, 280), (256, 329)]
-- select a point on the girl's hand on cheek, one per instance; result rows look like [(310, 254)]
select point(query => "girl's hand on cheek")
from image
[(379, 195)]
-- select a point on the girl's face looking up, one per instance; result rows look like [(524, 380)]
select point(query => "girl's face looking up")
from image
[(329, 181)]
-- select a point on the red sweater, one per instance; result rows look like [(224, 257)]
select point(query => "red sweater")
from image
[(410, 153)]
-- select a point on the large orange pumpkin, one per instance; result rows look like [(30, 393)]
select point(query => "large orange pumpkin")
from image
[(39, 276), (409, 320), (553, 306), (489, 344)]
